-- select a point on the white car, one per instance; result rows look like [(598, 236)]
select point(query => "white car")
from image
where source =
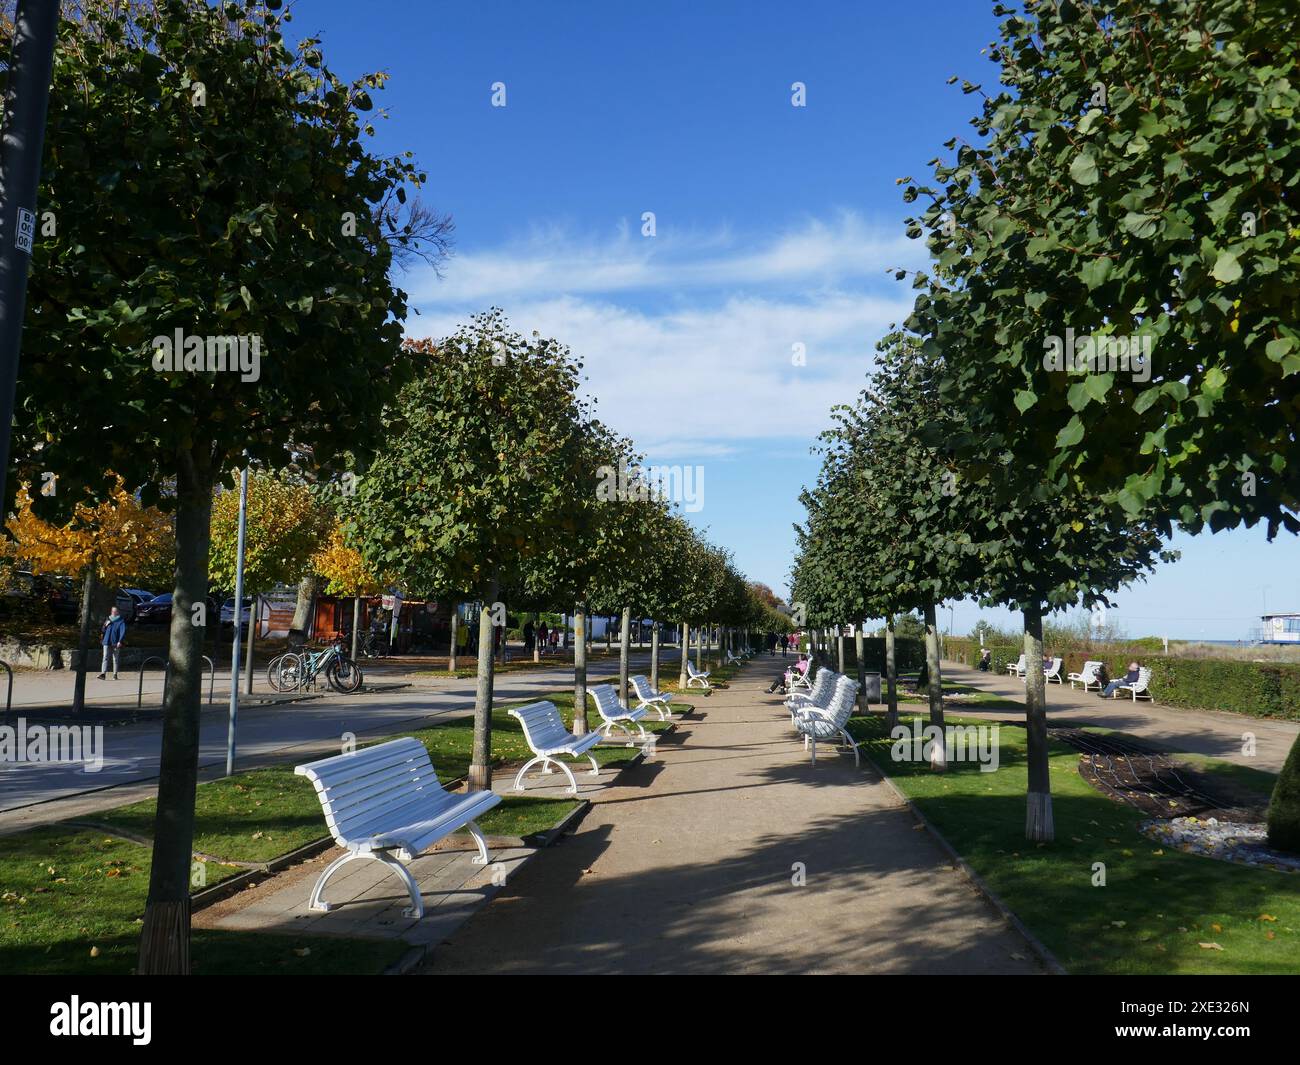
[(228, 612)]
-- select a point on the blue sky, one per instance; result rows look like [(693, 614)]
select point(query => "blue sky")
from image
[(774, 227)]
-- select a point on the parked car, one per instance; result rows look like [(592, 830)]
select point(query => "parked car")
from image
[(28, 590), (155, 611), (228, 614), (128, 599)]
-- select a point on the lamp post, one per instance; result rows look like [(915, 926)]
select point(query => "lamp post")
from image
[(27, 99), (239, 610)]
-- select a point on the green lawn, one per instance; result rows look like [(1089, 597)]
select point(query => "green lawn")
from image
[(1158, 905)]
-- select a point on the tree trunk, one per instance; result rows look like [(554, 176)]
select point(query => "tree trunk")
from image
[(254, 613), (356, 626), (686, 652), (302, 610), (624, 648), (480, 769), (839, 648), (455, 633), (891, 677), (537, 644), (165, 936), (938, 757), (699, 647), (83, 641), (1039, 825), (654, 656), (580, 669), (859, 649)]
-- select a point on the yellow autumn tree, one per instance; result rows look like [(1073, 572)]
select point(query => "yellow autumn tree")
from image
[(114, 542), (346, 573)]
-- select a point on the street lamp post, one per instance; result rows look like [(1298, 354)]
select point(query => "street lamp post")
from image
[(239, 610)]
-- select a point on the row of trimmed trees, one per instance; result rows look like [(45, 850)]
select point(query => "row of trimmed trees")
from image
[(207, 179), (1129, 200)]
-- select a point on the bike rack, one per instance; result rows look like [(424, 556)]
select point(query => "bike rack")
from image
[(167, 670)]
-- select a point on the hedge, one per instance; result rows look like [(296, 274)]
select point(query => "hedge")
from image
[(909, 653), (1258, 689)]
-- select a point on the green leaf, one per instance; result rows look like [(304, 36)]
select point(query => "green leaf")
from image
[(1095, 272), (1070, 435), (1226, 268), (1024, 399), (1084, 169), (1277, 349)]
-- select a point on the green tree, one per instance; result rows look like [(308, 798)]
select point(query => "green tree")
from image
[(477, 478), (206, 178)]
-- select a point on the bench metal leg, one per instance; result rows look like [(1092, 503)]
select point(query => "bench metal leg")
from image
[(519, 777), (852, 743), (477, 833), (415, 910), (595, 767), (547, 762)]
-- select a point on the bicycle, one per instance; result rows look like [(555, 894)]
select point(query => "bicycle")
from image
[(374, 645), (298, 670)]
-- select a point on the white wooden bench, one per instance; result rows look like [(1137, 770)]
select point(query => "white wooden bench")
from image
[(385, 802), (614, 714), (694, 675), (650, 699), (547, 737), (1087, 676), (823, 724), (1018, 667), (1053, 671), (735, 660)]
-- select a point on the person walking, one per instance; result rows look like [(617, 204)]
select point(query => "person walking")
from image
[(113, 633), (543, 636), (529, 630)]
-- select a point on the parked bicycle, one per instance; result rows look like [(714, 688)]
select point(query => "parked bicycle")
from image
[(298, 670), (374, 645)]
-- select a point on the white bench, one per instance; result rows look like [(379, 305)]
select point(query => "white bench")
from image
[(649, 699), (817, 723), (1087, 676), (694, 675), (735, 660), (798, 678), (1140, 688), (1053, 671), (822, 689), (547, 737), (1018, 668), (614, 713), (385, 802)]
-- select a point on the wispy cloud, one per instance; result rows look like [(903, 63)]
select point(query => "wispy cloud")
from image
[(702, 357)]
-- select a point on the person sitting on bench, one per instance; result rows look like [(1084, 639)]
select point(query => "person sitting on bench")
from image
[(1130, 677)]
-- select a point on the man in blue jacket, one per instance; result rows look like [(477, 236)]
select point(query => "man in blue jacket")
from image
[(114, 634)]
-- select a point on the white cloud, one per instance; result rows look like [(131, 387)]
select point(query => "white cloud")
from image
[(700, 361), (552, 261)]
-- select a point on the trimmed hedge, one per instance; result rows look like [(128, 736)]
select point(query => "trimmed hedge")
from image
[(1257, 689), (909, 653)]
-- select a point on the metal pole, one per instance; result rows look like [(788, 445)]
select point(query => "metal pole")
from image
[(239, 610), (36, 24)]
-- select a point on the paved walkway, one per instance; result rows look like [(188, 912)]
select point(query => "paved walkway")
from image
[(1204, 732), (688, 866)]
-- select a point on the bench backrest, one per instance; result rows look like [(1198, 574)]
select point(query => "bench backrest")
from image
[(823, 687), (607, 701), (641, 685), (842, 702), (377, 788), (1089, 670), (1055, 667), (1020, 663), (1144, 678), (691, 671), (543, 727)]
